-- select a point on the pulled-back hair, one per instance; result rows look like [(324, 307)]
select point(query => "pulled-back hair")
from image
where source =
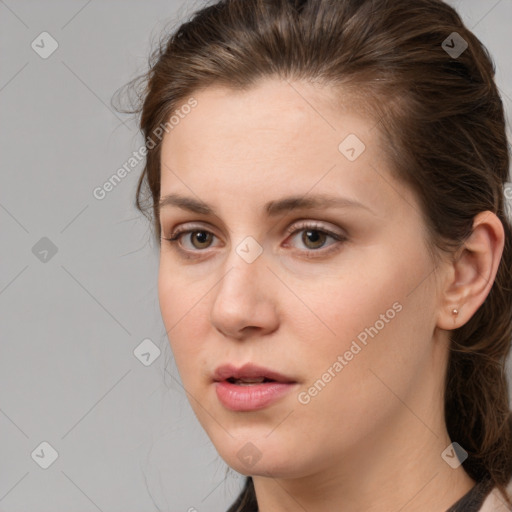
[(443, 121)]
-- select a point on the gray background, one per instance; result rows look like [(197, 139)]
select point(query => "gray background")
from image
[(124, 432)]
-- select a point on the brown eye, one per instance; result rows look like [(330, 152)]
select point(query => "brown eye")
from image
[(202, 238), (191, 240), (313, 241), (314, 237)]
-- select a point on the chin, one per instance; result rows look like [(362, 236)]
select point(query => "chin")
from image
[(256, 455)]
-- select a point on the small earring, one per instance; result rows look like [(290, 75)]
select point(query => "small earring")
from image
[(455, 311)]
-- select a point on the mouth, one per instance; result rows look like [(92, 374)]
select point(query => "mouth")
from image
[(250, 387), (248, 382), (249, 374)]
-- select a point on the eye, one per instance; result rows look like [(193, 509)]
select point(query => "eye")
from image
[(314, 237), (200, 236)]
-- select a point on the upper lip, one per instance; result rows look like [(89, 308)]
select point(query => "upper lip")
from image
[(248, 370)]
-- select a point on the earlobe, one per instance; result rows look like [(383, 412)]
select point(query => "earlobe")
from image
[(473, 272)]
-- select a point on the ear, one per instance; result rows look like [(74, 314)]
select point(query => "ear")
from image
[(472, 271)]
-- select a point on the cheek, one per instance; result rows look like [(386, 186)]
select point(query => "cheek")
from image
[(178, 295), (181, 306), (381, 317), (354, 300)]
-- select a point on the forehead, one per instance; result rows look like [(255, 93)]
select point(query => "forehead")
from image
[(273, 137), (273, 120)]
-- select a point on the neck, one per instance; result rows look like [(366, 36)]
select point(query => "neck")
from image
[(399, 468)]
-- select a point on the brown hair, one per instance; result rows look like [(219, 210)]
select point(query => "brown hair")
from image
[(443, 120)]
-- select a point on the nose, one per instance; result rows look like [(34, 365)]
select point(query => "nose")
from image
[(245, 302)]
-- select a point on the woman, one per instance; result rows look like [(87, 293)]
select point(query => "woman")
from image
[(327, 182)]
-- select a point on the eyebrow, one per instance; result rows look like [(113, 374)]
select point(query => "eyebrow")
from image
[(272, 208)]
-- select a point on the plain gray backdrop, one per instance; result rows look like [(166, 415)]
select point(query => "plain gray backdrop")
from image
[(78, 292)]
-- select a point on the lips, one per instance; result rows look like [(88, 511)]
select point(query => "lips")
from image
[(249, 374), (250, 387)]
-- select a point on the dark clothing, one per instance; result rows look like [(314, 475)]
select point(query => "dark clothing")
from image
[(472, 501)]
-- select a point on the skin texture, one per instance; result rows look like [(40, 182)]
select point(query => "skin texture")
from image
[(372, 438)]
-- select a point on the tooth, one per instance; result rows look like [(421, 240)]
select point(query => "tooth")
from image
[(250, 380)]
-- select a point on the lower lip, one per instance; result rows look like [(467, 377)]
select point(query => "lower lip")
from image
[(250, 397)]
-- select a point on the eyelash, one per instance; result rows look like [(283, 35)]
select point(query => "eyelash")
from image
[(177, 235)]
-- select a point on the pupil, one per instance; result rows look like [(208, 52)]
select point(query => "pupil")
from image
[(201, 237), (310, 234)]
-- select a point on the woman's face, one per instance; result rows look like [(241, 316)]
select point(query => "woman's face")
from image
[(334, 291)]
